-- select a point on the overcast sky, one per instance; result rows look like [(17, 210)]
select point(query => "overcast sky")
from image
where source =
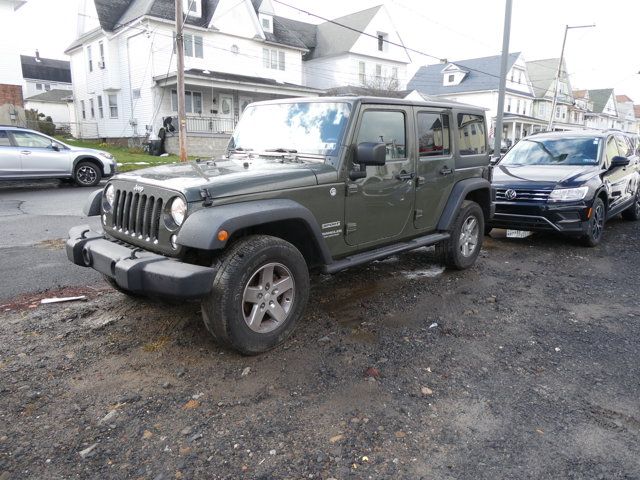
[(605, 56)]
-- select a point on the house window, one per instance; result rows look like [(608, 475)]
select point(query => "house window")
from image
[(518, 106), (192, 101), (362, 73), (508, 104), (82, 109), (273, 59), (451, 78), (89, 59), (266, 24), (557, 112), (47, 87), (38, 86), (113, 106), (135, 93), (100, 110), (101, 51), (382, 42), (193, 45), (378, 72), (91, 108), (394, 73)]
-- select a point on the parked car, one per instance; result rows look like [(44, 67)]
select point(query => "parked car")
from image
[(325, 184), (27, 154), (567, 182)]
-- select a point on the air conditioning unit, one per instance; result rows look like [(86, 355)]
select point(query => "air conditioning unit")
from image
[(100, 64)]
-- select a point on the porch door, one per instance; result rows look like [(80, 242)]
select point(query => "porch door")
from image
[(226, 112)]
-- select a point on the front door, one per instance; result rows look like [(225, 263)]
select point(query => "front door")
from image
[(226, 112), (37, 157), (379, 206), (435, 167), (9, 157)]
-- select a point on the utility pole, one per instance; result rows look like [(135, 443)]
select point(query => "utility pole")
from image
[(182, 116), (559, 72), (503, 78)]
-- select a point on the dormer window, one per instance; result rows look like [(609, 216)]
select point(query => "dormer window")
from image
[(453, 75), (382, 42), (192, 8), (266, 21), (452, 78)]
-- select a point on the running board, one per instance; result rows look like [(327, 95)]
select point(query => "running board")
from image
[(383, 252)]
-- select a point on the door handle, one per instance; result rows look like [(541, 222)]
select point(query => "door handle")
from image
[(25, 152), (446, 171), (403, 176)]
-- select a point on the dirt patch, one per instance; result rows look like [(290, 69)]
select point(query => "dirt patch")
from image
[(53, 244), (525, 366)]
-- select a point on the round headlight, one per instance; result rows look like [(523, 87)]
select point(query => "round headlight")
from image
[(178, 210), (109, 197)]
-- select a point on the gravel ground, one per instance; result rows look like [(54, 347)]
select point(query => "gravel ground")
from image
[(525, 366)]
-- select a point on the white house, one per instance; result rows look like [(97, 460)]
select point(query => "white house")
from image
[(368, 53), (56, 103), (44, 74), (604, 114), (475, 81), (626, 115), (11, 96)]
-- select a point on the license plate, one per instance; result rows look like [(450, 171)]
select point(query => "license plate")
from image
[(518, 234)]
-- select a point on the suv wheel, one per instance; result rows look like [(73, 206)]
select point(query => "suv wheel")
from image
[(259, 292), (463, 247), (633, 212), (87, 174), (596, 224)]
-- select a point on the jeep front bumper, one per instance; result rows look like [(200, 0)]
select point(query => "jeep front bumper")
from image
[(135, 269)]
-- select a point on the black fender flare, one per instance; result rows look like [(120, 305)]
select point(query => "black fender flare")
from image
[(92, 207), (87, 158), (200, 229), (458, 194)]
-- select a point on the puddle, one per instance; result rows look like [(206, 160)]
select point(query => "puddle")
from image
[(430, 272)]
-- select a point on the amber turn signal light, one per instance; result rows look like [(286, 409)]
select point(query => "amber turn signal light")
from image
[(223, 235)]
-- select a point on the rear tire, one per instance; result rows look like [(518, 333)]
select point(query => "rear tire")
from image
[(596, 224), (461, 250), (87, 174), (633, 212), (259, 292)]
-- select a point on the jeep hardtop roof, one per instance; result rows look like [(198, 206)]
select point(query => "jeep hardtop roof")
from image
[(354, 100)]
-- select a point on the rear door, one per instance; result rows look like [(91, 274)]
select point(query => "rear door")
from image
[(37, 156), (435, 166), (9, 157), (379, 206)]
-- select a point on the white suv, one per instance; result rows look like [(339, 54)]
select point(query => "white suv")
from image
[(27, 154)]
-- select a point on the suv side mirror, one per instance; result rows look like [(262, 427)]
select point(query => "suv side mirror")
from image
[(370, 153), (55, 146), (619, 161)]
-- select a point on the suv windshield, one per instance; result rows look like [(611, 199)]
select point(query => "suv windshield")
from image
[(554, 151), (306, 127)]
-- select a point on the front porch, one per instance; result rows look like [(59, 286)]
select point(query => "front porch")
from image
[(516, 127)]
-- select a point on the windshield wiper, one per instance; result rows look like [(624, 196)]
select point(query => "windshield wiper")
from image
[(282, 150)]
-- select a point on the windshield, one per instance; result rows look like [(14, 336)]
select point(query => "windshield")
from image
[(307, 127), (554, 151)]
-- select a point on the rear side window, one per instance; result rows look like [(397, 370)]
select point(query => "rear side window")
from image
[(611, 151), (384, 127), (623, 146), (4, 139), (433, 134), (471, 137)]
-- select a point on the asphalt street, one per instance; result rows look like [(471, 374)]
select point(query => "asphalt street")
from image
[(34, 220)]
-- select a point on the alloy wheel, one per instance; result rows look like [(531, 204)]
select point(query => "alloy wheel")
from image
[(469, 235), (86, 175), (598, 222), (268, 297)]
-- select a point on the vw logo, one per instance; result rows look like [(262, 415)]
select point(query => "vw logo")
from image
[(510, 194), (138, 189)]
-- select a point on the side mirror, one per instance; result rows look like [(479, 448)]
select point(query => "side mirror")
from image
[(494, 160), (55, 146), (619, 161), (370, 153)]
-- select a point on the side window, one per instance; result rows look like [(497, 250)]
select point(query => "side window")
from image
[(611, 151), (433, 134), (384, 127), (4, 139), (623, 146), (31, 140), (471, 137)]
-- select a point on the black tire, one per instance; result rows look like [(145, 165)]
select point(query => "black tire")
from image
[(87, 174), (243, 272), (488, 229), (450, 252), (596, 224), (633, 212)]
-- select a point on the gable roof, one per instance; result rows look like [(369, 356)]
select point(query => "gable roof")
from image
[(580, 93), (542, 74), (333, 38), (636, 110), (623, 99), (600, 97), (45, 69), (55, 95), (484, 74)]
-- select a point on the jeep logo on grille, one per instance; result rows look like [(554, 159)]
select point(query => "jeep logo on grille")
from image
[(510, 194), (138, 189)]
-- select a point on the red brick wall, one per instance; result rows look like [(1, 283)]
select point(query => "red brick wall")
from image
[(11, 94)]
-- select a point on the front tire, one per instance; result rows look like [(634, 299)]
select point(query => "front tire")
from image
[(633, 212), (87, 174), (461, 250), (259, 292), (595, 227)]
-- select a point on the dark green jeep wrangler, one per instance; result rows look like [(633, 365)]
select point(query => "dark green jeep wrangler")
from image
[(325, 183)]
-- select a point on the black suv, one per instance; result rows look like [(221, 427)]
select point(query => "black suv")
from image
[(568, 182)]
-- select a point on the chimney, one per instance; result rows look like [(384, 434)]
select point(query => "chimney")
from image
[(38, 56)]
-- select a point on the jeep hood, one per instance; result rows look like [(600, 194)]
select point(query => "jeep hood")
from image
[(543, 175), (229, 177)]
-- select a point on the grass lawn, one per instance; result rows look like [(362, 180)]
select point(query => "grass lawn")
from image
[(128, 158)]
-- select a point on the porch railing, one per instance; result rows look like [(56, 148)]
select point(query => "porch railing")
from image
[(210, 124)]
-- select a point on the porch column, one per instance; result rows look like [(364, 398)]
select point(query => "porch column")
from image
[(513, 132), (521, 130)]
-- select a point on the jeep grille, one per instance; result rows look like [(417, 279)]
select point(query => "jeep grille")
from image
[(137, 214)]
